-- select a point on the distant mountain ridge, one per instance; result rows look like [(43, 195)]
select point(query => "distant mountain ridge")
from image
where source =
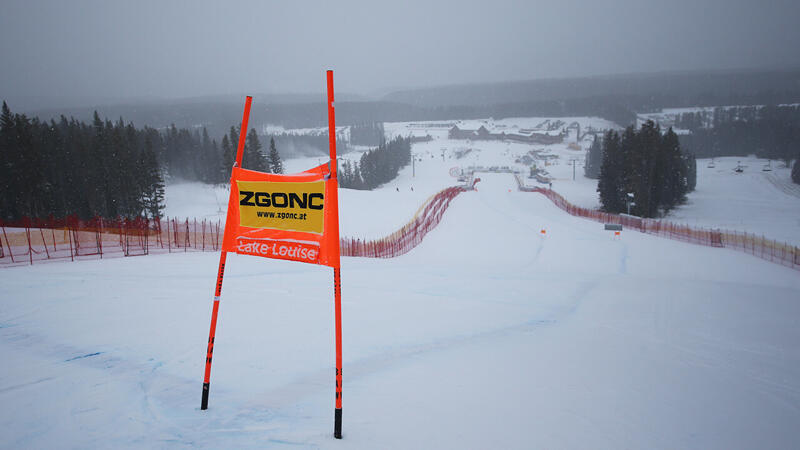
[(613, 97), (684, 87)]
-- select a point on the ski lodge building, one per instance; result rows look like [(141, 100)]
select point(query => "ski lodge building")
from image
[(523, 135)]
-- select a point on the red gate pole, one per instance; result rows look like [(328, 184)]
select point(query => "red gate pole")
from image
[(222, 256), (337, 282)]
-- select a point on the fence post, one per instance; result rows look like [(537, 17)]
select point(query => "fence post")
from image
[(30, 249), (8, 243), (69, 236), (44, 243), (216, 244), (169, 237), (99, 234)]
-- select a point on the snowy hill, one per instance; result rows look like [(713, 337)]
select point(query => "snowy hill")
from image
[(755, 201), (485, 336)]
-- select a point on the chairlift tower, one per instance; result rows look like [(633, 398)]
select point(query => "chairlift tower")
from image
[(573, 161)]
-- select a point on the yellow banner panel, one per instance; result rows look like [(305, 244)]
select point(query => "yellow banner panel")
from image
[(289, 206)]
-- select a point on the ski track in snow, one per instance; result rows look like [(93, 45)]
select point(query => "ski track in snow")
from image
[(787, 187)]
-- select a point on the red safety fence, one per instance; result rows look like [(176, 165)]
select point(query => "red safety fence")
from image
[(32, 241), (768, 249), (409, 235), (38, 240)]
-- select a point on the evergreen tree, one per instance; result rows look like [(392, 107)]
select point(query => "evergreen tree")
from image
[(209, 161), (233, 137), (771, 132), (228, 158), (594, 159), (64, 168), (381, 165), (673, 184), (9, 165), (30, 165), (358, 182), (647, 169), (611, 184), (253, 157), (647, 164), (274, 158), (152, 182), (345, 174), (691, 172)]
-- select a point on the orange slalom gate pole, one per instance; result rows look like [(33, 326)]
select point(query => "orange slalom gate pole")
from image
[(221, 271), (337, 282), (337, 291)]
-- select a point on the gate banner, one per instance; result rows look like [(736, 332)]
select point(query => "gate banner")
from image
[(284, 216)]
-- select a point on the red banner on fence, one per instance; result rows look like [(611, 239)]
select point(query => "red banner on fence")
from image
[(283, 216)]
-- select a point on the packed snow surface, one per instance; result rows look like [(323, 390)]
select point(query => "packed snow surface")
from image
[(487, 335)]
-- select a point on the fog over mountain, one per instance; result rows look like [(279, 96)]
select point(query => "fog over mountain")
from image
[(85, 53)]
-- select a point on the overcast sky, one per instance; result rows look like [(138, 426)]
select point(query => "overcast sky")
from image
[(90, 51)]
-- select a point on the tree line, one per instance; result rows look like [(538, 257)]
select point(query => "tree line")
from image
[(370, 133), (377, 166), (646, 163), (771, 132), (110, 169), (253, 157), (67, 167)]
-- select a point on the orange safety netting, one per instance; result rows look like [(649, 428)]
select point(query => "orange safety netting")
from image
[(768, 249)]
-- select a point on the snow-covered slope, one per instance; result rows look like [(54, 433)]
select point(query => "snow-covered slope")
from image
[(757, 202), (484, 336)]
